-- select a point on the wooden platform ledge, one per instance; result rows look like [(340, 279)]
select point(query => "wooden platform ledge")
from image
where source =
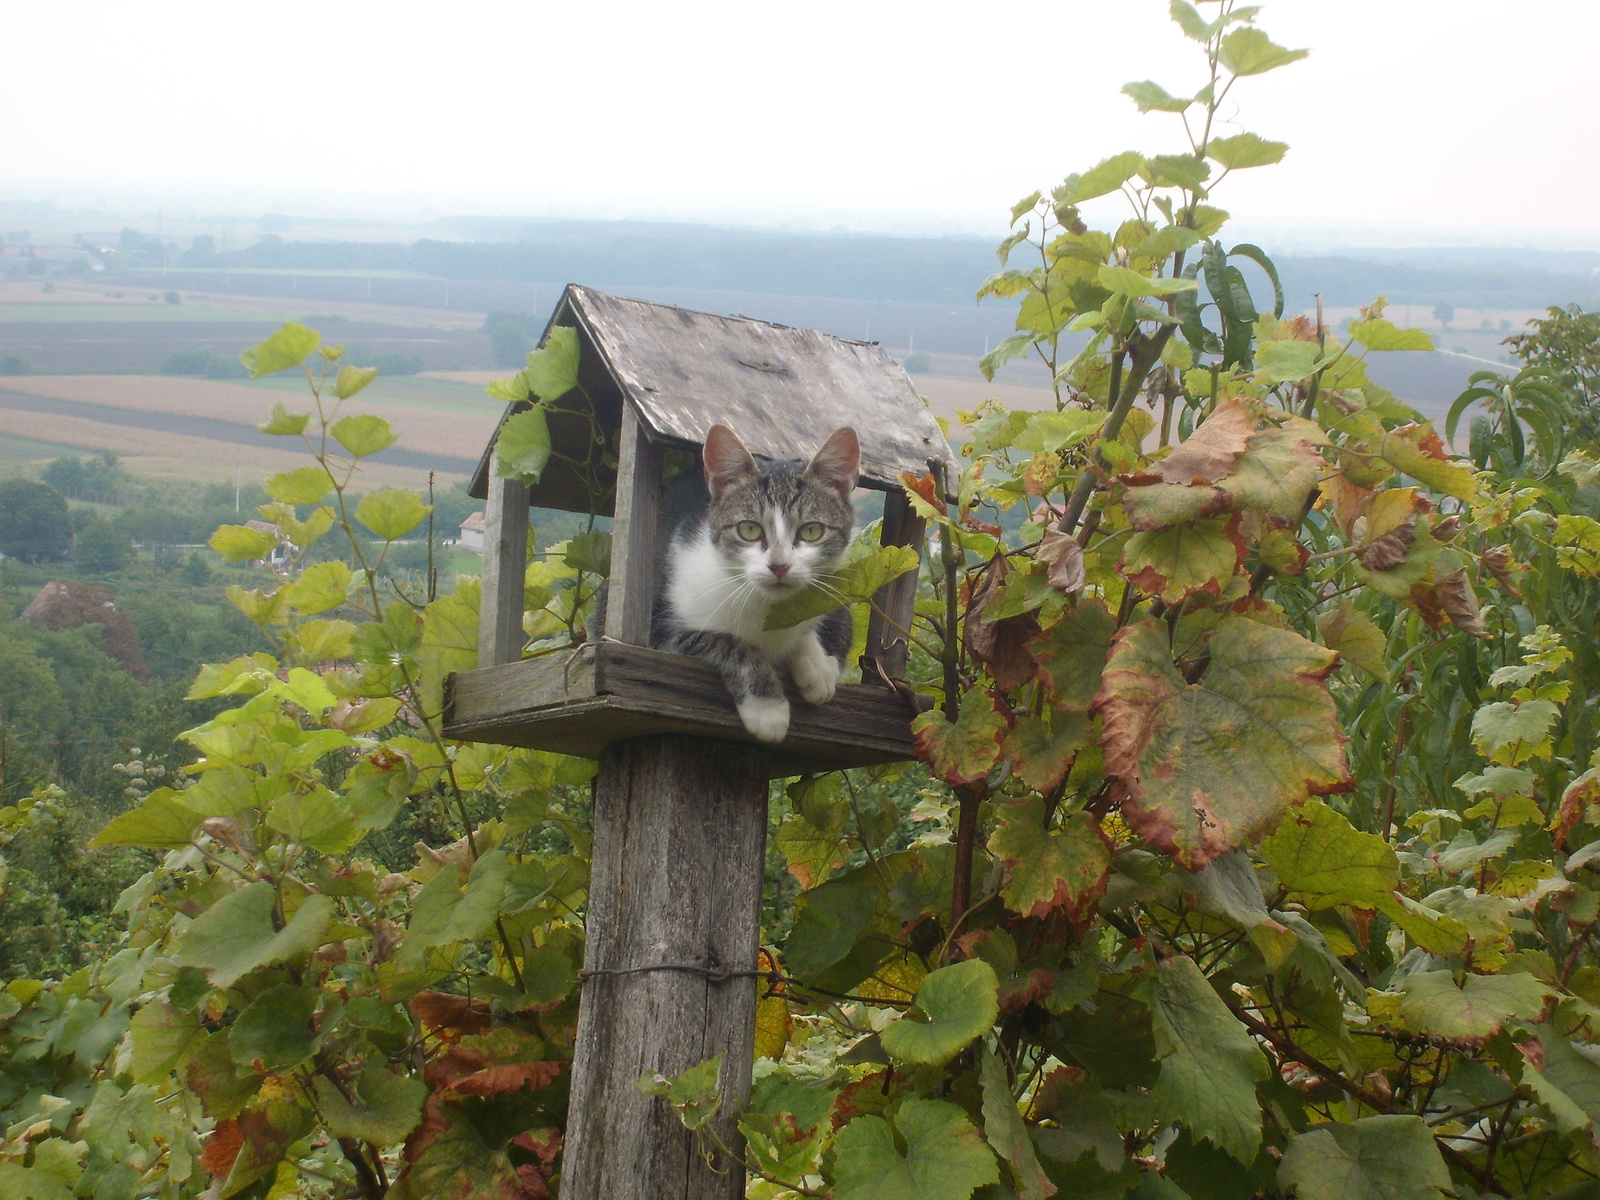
[(580, 703)]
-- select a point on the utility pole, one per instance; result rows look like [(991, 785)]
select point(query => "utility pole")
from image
[(236, 487)]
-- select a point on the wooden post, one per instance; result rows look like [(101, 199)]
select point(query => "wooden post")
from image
[(631, 588), (887, 647), (679, 847), (505, 559)]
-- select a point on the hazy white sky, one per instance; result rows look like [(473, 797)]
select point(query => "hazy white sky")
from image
[(1413, 120)]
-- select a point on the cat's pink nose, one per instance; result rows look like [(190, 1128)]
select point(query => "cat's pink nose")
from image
[(778, 569)]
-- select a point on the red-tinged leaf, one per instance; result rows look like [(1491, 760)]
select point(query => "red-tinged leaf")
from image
[(926, 487), (449, 1159), (965, 750), (1153, 504), (1061, 867), (1178, 562), (510, 1077), (1279, 470), (971, 521), (1202, 768), (1349, 501), (1497, 560), (221, 1148), (865, 1097), (1041, 749), (544, 1144), (1072, 653), (1581, 792), (1063, 556), (451, 1017)]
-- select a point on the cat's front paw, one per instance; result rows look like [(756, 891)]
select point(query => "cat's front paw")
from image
[(816, 675), (765, 718)]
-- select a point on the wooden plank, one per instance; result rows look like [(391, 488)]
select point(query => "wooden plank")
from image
[(505, 559), (887, 645), (630, 591), (679, 851), (580, 704)]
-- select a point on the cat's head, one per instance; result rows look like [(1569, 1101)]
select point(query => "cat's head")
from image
[(780, 524)]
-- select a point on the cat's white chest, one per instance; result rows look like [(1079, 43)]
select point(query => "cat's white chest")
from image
[(705, 595)]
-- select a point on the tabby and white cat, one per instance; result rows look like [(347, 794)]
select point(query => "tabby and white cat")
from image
[(750, 533)]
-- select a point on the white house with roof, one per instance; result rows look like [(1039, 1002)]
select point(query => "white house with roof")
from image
[(472, 533)]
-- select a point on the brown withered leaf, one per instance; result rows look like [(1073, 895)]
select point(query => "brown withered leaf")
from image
[(1389, 551), (1062, 554), (1348, 500), (1001, 646), (972, 521), (924, 486), (1498, 562), (1460, 604), (1212, 450)]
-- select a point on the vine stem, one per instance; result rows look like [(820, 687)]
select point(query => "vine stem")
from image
[(1146, 352)]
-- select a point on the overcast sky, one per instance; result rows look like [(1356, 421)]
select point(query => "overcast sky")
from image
[(1413, 121)]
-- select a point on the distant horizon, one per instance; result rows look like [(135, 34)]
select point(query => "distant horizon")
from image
[(135, 206)]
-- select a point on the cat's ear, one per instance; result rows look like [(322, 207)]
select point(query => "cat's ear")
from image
[(726, 460), (838, 463)]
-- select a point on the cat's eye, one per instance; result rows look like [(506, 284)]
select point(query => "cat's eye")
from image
[(812, 531), (750, 531)]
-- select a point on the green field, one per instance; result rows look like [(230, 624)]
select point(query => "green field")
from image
[(67, 314)]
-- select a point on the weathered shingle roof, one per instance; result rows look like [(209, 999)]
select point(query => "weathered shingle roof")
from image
[(781, 389)]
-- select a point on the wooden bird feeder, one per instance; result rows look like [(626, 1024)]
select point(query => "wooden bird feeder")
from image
[(680, 803)]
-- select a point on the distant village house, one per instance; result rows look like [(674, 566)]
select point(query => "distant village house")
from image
[(472, 533)]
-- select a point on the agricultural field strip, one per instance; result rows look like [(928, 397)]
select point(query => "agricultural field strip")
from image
[(132, 313), (153, 452), (233, 410)]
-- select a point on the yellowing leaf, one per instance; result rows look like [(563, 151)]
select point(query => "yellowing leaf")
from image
[(1474, 1010), (364, 434), (1208, 766), (962, 751), (392, 514), (1323, 860), (240, 543), (1179, 561), (348, 382), (954, 1005), (286, 348), (1064, 867)]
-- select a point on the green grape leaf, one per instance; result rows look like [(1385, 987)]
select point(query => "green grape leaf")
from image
[(1514, 733), (1244, 150), (964, 750), (552, 369), (314, 819), (303, 485), (1128, 282), (363, 434), (392, 514), (811, 853), (1248, 51), (351, 380), (1287, 362), (1048, 869), (1042, 749), (944, 1158), (18, 1182), (1149, 96), (1072, 654), (1209, 1064), (1059, 430), (275, 1030), (1350, 633), (1190, 21), (1208, 766), (162, 822), (1007, 1133), (382, 1109), (240, 543), (284, 349), (235, 936), (1179, 561), (1324, 861), (1107, 176), (827, 922), (1374, 1158), (160, 1038), (523, 446), (1378, 333), (449, 641), (1475, 1010), (319, 587), (854, 583), (283, 423), (1564, 1076), (954, 1005)]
